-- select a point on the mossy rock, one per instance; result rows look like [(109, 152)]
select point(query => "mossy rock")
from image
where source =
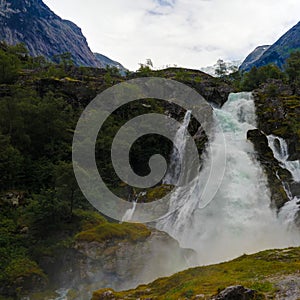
[(114, 231), (279, 115), (271, 168), (89, 219), (46, 295), (157, 193), (23, 275)]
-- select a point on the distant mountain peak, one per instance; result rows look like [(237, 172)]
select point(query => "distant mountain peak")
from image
[(10, 7), (211, 70), (43, 32), (254, 56), (277, 53), (107, 62)]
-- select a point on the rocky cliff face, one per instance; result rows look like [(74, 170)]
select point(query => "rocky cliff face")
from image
[(277, 114), (277, 53), (214, 90), (116, 263), (44, 33), (253, 57), (275, 174)]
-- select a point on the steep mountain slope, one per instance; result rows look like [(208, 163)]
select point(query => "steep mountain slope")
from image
[(106, 61), (44, 33), (278, 52), (253, 57)]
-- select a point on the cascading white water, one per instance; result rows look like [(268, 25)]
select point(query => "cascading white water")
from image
[(239, 218), (62, 294), (179, 140), (279, 147), (129, 212), (289, 211), (127, 217), (280, 151)]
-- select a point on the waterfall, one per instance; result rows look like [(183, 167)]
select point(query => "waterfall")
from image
[(62, 294), (129, 212), (173, 171), (280, 151), (238, 219), (290, 210)]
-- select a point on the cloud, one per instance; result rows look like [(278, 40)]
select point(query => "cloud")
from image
[(189, 33), (166, 2), (155, 13)]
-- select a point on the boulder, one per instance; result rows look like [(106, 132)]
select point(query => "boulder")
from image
[(238, 292)]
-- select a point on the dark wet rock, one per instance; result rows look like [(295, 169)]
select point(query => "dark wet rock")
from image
[(275, 174), (295, 189), (238, 292), (278, 114)]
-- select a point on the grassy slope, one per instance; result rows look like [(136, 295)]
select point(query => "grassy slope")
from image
[(259, 271)]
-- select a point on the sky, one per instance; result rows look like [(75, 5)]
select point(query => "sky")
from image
[(186, 33)]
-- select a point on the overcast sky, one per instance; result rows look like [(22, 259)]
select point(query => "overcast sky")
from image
[(188, 33)]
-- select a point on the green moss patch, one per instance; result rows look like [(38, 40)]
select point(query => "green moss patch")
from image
[(23, 267), (89, 219), (109, 231), (23, 275)]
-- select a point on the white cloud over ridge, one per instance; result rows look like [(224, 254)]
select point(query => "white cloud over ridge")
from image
[(188, 33)]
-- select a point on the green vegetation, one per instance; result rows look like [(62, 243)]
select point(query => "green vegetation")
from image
[(279, 115), (259, 271), (42, 210), (221, 69), (293, 67), (22, 268), (41, 206), (158, 192), (112, 231), (277, 99), (257, 76)]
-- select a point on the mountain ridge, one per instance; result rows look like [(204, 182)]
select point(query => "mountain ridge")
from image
[(44, 33), (253, 57), (277, 53), (108, 62)]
